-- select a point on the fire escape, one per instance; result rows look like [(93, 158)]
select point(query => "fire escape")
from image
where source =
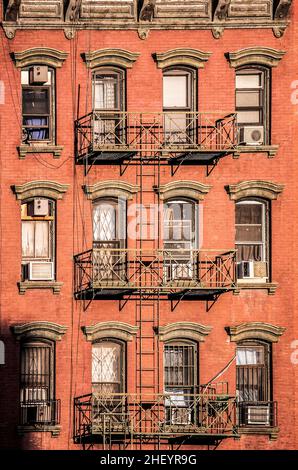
[(150, 273)]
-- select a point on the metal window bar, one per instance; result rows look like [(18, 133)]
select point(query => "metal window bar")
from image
[(257, 413), (40, 412)]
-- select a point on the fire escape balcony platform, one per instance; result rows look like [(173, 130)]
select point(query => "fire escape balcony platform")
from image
[(199, 157), (98, 156)]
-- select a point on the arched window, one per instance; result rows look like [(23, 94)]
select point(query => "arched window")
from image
[(180, 380), (252, 239), (253, 105), (180, 233), (253, 383), (108, 106), (38, 104), (179, 101), (37, 387), (109, 222), (108, 367), (38, 239)]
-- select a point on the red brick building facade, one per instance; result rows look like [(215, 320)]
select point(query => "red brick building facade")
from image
[(148, 224)]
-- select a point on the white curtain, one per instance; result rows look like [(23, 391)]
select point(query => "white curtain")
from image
[(247, 356), (105, 363), (35, 239)]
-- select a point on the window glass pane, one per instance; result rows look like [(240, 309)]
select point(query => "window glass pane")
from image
[(179, 221), (248, 81), (249, 233), (36, 101), (106, 363), (42, 249), (249, 117), (35, 373), (105, 93), (249, 213), (248, 98), (104, 222), (28, 229), (250, 252), (249, 355), (175, 91)]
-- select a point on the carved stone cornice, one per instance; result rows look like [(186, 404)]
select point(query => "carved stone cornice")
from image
[(50, 189), (116, 57), (110, 329), (183, 330), (255, 330), (221, 10), (111, 188), (191, 189), (181, 56), (73, 10), (255, 55), (40, 56), (39, 329), (282, 9), (254, 188)]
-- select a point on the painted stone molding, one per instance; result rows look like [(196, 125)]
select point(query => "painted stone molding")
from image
[(40, 56), (221, 10), (50, 189), (192, 189), (29, 285), (255, 188), (189, 57), (147, 11), (110, 329), (183, 330), (255, 330), (24, 149), (39, 329), (111, 188), (282, 9), (116, 57), (255, 55)]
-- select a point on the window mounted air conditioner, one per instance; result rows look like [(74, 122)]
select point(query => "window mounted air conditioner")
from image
[(258, 415), (252, 135), (38, 74), (41, 271)]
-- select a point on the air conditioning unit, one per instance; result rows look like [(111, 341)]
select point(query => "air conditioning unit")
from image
[(258, 415), (38, 74), (245, 269), (38, 207), (41, 271), (252, 135)]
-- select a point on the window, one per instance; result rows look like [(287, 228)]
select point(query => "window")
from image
[(180, 376), (38, 234), (252, 105), (253, 383), (37, 383), (178, 103), (38, 104), (108, 105), (108, 371), (180, 238), (252, 240)]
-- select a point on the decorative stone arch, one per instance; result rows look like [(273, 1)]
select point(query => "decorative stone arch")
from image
[(41, 56), (183, 330), (191, 189), (110, 57), (255, 330), (182, 56), (257, 55), (39, 329), (111, 188), (111, 329), (49, 189), (254, 188)]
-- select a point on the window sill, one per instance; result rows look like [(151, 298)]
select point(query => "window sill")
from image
[(56, 150), (269, 286), (271, 150), (272, 432), (26, 285), (24, 428)]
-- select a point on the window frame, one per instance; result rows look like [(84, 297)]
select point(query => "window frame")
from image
[(265, 107), (191, 92), (51, 87), (195, 213), (266, 231), (195, 358), (120, 75), (120, 206), (52, 222), (122, 364)]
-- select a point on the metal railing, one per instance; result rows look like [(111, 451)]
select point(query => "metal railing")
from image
[(159, 270), (165, 414), (257, 413), (155, 133), (40, 412)]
